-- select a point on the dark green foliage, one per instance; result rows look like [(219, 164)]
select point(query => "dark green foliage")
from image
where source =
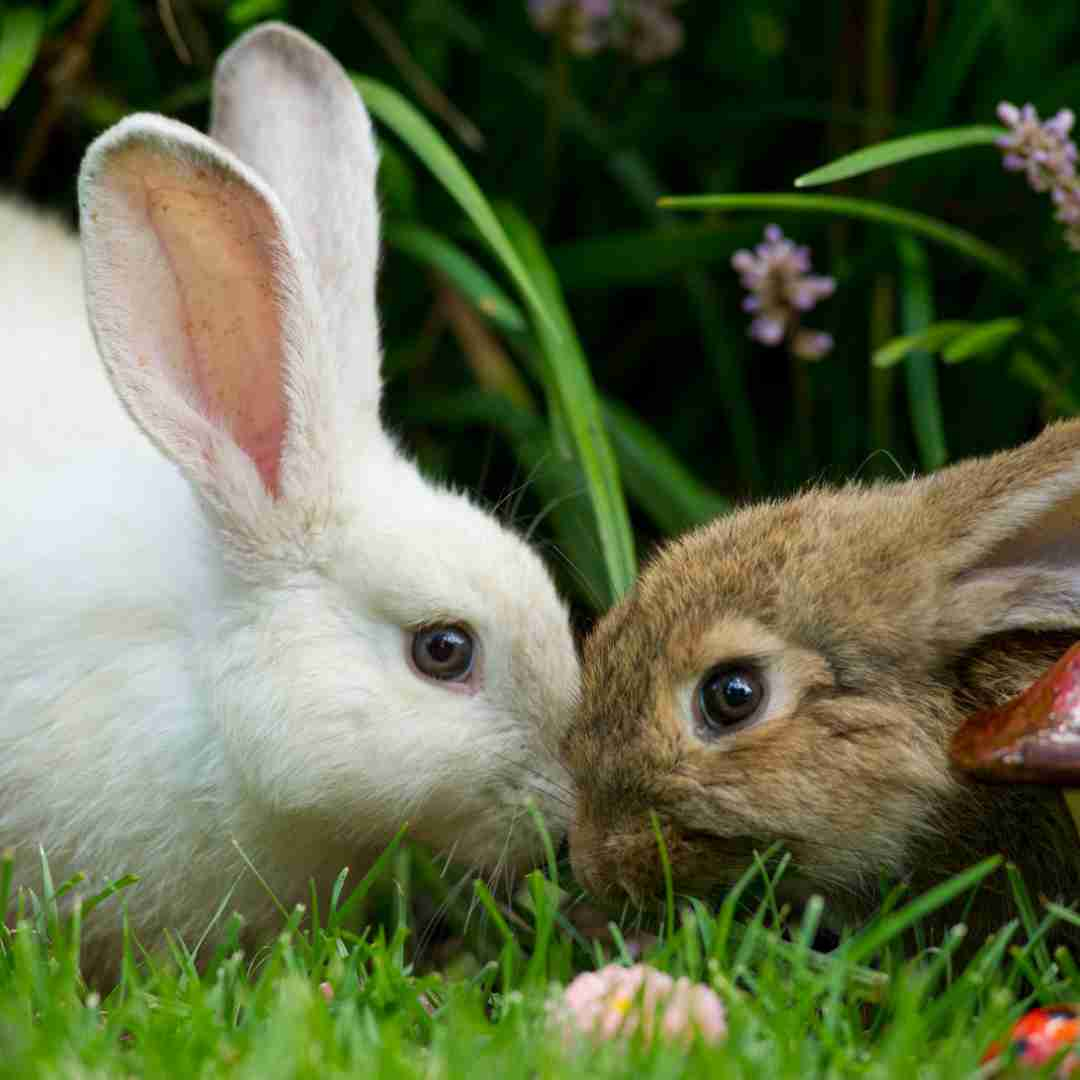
[(580, 150)]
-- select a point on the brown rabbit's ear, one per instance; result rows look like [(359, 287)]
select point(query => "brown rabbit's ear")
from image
[(1010, 527)]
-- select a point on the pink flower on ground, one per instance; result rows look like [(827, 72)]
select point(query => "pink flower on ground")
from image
[(777, 275), (616, 1001), (326, 990)]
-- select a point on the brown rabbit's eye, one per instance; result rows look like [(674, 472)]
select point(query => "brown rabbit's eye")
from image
[(727, 696), (443, 652)]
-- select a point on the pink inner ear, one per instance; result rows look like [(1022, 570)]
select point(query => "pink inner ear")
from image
[(218, 238), (1052, 540)]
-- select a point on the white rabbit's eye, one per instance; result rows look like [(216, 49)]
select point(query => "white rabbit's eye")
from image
[(728, 696), (443, 652)]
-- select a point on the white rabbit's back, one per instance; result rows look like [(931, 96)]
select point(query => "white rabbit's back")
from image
[(58, 403)]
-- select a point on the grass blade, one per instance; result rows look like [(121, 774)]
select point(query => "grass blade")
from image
[(363, 887), (894, 151), (655, 478), (467, 274), (114, 887), (569, 382), (669, 888), (7, 876), (981, 339), (866, 945), (1026, 908), (578, 407), (428, 145), (929, 339), (916, 314), (21, 30), (955, 239)]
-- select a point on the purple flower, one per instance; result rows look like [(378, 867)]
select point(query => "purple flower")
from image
[(644, 30), (777, 276), (583, 24), (1046, 155), (649, 32)]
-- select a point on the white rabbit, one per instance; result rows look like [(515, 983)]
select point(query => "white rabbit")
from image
[(62, 400), (274, 630)]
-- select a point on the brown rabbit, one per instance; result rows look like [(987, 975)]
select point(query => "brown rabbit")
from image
[(793, 672)]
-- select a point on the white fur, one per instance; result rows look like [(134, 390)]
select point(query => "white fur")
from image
[(187, 659), (55, 398)]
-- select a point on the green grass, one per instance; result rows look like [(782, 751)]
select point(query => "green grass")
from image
[(864, 1009)]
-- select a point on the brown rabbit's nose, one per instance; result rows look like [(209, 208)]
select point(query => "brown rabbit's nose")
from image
[(583, 842), (616, 864)]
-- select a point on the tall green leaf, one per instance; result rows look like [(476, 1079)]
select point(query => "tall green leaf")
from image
[(929, 338), (916, 314), (465, 272), (21, 29), (568, 377), (909, 220), (428, 145), (655, 478), (981, 339), (569, 382), (895, 151)]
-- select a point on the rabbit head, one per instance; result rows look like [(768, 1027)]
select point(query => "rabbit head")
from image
[(793, 672), (381, 650)]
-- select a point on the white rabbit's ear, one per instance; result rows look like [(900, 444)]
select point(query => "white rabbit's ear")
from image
[(1011, 537), (285, 107), (202, 311)]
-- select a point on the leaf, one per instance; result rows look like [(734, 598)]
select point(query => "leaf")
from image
[(931, 339), (414, 130), (242, 12), (467, 274), (916, 314), (981, 339), (866, 209), (894, 151), (555, 478), (1025, 367), (489, 362), (1034, 738), (655, 478), (21, 30), (861, 948), (341, 915), (568, 378)]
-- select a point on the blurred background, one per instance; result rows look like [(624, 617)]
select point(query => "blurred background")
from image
[(579, 115)]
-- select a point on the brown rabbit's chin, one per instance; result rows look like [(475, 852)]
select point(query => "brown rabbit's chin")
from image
[(620, 865), (623, 866)]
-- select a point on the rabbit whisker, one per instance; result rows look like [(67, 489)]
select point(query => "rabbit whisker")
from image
[(552, 504), (517, 493)]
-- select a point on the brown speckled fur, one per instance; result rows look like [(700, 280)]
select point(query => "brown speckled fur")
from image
[(880, 615)]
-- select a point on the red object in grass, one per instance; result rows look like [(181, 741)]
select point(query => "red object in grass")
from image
[(1035, 738), (1041, 1035)]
